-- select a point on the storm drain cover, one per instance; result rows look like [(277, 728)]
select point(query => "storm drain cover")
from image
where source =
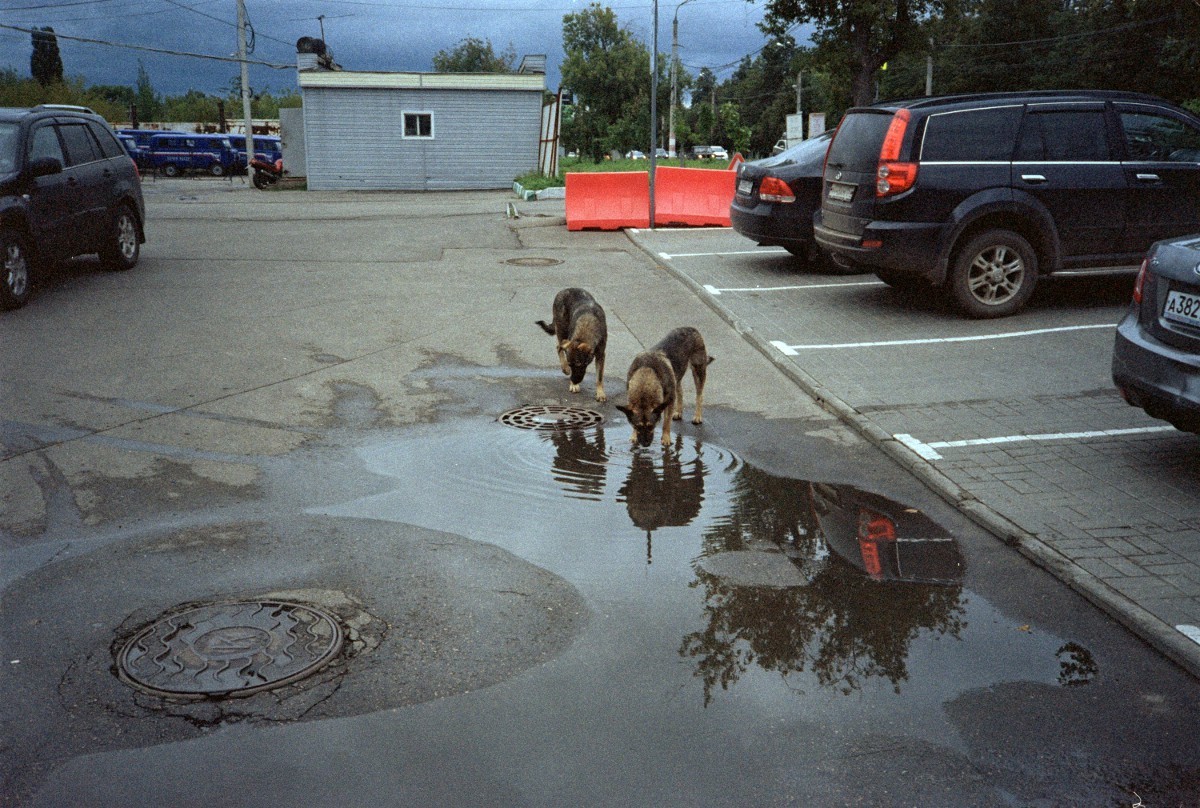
[(230, 649), (533, 262), (551, 416)]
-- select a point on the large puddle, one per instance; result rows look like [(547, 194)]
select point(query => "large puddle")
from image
[(700, 563)]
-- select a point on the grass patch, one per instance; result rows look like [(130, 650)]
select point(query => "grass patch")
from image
[(537, 182)]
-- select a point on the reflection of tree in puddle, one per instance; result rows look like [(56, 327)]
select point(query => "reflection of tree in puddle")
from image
[(670, 496), (580, 461), (842, 625)]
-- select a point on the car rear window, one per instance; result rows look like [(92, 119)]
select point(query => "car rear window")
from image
[(858, 140), (972, 135)]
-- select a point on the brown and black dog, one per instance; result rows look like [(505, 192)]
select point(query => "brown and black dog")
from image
[(580, 334), (655, 383)]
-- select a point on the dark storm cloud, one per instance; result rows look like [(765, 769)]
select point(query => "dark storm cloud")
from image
[(388, 35)]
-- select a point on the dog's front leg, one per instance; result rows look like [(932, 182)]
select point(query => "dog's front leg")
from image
[(666, 432), (601, 396)]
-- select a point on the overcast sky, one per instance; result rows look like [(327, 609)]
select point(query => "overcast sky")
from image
[(388, 35)]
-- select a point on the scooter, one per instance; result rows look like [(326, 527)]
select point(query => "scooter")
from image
[(266, 174)]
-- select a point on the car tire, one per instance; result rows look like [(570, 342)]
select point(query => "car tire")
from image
[(993, 274), (121, 248), (171, 170), (16, 270), (217, 170)]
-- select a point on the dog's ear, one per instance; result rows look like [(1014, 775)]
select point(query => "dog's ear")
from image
[(583, 346), (628, 412), (565, 345), (658, 410)]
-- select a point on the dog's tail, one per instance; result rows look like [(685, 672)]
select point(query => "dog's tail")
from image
[(548, 329)]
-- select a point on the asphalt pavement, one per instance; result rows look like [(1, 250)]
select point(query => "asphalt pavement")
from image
[(1091, 489)]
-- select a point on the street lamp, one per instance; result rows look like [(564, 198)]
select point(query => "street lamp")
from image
[(674, 79)]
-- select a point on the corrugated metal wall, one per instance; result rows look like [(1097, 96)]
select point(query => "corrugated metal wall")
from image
[(482, 139)]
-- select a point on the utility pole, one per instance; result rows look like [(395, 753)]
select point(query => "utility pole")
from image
[(249, 123), (653, 111), (321, 20), (929, 69), (674, 78)]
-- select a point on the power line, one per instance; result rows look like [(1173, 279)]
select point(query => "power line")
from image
[(156, 50), (1122, 27)]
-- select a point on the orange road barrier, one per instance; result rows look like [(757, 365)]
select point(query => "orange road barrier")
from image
[(737, 158), (608, 200), (692, 196)]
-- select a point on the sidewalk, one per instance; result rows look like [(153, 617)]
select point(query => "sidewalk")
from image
[(1116, 517)]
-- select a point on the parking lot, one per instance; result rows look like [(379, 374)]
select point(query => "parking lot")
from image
[(1015, 419)]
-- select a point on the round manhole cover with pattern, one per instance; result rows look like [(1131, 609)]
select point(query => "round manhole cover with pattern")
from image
[(533, 261), (551, 416), (229, 649)]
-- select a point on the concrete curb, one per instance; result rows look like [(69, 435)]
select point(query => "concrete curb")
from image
[(1164, 638)]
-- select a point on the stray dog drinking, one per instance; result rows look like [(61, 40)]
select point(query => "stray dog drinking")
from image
[(580, 335), (655, 384)]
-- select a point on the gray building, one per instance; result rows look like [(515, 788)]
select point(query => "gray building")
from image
[(421, 131)]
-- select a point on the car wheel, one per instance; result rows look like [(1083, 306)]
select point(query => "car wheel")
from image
[(121, 248), (16, 277), (993, 274), (171, 170), (217, 170)]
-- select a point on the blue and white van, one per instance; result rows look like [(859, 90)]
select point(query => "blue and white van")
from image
[(176, 153), (266, 147), (141, 139)]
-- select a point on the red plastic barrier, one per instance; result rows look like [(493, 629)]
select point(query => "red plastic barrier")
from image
[(737, 158), (693, 196), (608, 200)]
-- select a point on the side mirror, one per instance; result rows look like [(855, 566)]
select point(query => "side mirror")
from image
[(45, 166)]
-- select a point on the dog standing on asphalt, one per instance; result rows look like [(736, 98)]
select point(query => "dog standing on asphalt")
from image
[(580, 334), (655, 384)]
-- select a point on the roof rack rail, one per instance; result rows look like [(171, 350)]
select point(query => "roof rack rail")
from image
[(70, 107)]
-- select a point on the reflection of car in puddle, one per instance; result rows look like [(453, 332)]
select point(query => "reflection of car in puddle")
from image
[(841, 625), (884, 539)]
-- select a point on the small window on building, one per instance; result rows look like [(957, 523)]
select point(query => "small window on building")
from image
[(418, 124)]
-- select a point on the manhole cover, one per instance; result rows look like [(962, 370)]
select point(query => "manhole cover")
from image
[(551, 416), (229, 649), (533, 262)]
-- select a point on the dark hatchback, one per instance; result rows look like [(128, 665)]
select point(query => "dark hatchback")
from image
[(1156, 358), (775, 198)]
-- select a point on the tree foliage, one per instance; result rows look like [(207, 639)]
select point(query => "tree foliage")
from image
[(45, 63), (473, 55)]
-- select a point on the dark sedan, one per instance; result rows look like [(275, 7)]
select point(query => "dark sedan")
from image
[(1156, 358), (775, 197)]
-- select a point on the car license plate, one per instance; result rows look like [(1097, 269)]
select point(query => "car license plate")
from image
[(840, 192), (1182, 308), (744, 187)]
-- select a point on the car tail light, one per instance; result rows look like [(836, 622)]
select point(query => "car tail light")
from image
[(774, 189), (873, 528), (1141, 280), (893, 176)]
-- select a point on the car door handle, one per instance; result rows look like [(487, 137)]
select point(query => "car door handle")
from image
[(72, 181), (1033, 178), (1148, 178)]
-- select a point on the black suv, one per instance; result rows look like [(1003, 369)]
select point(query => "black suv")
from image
[(980, 195), (67, 187)]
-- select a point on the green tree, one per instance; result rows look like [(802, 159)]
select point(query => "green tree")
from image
[(608, 71), (45, 63), (473, 55), (855, 37), (149, 105)]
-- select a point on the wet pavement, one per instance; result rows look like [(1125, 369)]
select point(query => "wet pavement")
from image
[(771, 610)]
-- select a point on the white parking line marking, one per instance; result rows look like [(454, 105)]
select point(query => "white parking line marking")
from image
[(1191, 632), (929, 450), (713, 290), (766, 251), (792, 349)]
